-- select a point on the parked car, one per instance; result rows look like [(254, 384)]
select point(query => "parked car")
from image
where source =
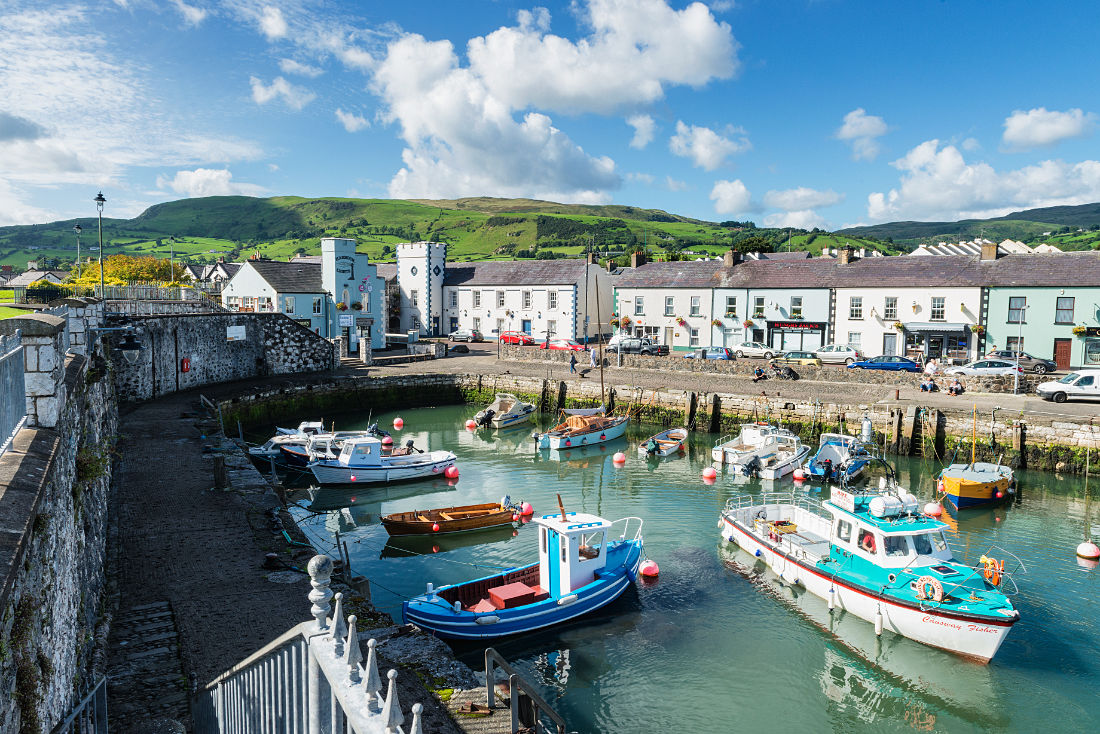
[(465, 335), (806, 359), (516, 337), (567, 344), (1036, 364), (755, 349), (890, 362), (638, 345), (984, 367), (711, 353), (1083, 383), (838, 354)]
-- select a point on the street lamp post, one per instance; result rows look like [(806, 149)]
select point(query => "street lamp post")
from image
[(99, 202), (1019, 341), (77, 229)]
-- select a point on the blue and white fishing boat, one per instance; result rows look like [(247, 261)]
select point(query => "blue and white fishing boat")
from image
[(871, 553), (839, 458), (579, 570), (582, 427)]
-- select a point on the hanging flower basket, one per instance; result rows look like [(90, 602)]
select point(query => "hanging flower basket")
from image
[(341, 306), (716, 322), (614, 322), (1079, 331), (977, 329), (747, 323), (898, 326), (681, 321), (625, 321)]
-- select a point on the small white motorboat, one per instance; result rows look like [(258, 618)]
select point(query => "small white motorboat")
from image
[(665, 443), (787, 454), (287, 437), (506, 410), (363, 460), (761, 450)]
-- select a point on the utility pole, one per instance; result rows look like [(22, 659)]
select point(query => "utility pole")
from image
[(99, 202), (77, 229)]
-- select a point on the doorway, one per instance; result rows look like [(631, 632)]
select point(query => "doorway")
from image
[(935, 347), (1061, 353), (889, 344), (526, 326), (668, 336)]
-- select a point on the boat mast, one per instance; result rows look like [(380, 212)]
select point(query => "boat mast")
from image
[(599, 337), (973, 434), (562, 508)]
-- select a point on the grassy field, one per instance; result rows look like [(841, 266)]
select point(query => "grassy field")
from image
[(7, 312)]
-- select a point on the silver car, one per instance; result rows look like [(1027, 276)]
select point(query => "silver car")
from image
[(984, 367), (755, 349), (839, 354)]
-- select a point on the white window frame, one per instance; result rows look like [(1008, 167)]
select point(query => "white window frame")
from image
[(288, 304), (758, 307), (551, 299), (477, 323), (890, 308), (526, 297), (670, 306), (731, 307), (696, 306), (796, 307), (855, 308), (500, 299), (551, 327), (454, 299), (477, 299), (317, 306), (693, 337), (639, 306), (414, 297), (855, 339), (939, 306)]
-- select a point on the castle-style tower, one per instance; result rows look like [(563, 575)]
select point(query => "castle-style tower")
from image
[(421, 267)]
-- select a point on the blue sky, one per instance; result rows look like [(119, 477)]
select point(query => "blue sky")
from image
[(800, 112)]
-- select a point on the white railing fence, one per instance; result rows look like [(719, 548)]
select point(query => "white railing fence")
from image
[(311, 680), (13, 391), (89, 716)]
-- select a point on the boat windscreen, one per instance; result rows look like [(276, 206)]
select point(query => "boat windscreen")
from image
[(584, 411)]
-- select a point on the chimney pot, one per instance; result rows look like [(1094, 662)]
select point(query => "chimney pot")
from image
[(844, 255), (731, 258), (989, 251), (637, 259)]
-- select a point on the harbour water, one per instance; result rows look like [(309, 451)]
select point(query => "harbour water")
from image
[(716, 643)]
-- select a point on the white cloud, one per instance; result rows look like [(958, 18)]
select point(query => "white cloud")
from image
[(731, 197), (673, 184), (802, 219), (273, 167), (1041, 127), (644, 128), (17, 210), (272, 23), (646, 178), (971, 144), (801, 198), (938, 184), (706, 148), (351, 122), (294, 96), (290, 66), (861, 131), (208, 182), (192, 15)]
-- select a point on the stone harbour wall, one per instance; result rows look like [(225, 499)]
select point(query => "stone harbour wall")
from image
[(744, 368), (183, 351)]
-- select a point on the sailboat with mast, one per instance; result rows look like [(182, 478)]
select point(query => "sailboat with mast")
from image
[(977, 483)]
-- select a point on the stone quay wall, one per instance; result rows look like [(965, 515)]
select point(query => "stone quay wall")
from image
[(183, 351), (744, 367), (54, 487)]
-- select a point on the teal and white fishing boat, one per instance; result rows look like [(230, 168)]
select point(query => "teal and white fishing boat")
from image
[(870, 552)]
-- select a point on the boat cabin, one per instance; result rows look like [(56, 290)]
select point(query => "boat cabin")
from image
[(884, 528), (571, 551), (364, 451)]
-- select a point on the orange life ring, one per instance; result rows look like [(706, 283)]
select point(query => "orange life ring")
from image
[(923, 583), (993, 570)]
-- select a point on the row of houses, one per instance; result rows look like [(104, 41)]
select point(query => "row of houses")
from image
[(952, 307)]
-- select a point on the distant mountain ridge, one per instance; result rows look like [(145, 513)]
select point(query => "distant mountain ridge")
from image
[(1017, 225)]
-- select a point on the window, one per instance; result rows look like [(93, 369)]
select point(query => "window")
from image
[(1017, 305), (414, 296), (1014, 344), (477, 299), (590, 546), (500, 326), (867, 541), (731, 307), (316, 306), (564, 542), (526, 300), (366, 302), (1063, 313), (346, 298), (670, 307), (758, 307), (1092, 351), (1086, 381), (695, 306), (542, 540), (552, 299), (500, 299), (639, 306), (454, 299), (796, 307), (288, 304), (844, 530), (551, 327), (855, 339), (939, 542), (938, 308), (957, 346), (855, 307), (694, 342), (895, 545), (922, 544), (477, 323), (890, 310)]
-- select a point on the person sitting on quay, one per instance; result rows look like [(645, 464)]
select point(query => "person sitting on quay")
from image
[(929, 385), (956, 387), (758, 374), (932, 367)]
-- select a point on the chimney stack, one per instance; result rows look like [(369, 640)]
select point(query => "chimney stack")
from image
[(844, 255), (637, 259), (590, 259), (989, 251), (610, 265), (731, 258)]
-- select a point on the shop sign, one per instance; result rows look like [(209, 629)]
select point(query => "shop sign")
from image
[(797, 325)]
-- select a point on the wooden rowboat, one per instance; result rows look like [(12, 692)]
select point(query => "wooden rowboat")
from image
[(665, 443), (449, 519)]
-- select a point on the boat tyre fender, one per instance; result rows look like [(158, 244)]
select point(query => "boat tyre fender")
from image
[(762, 515), (929, 587)]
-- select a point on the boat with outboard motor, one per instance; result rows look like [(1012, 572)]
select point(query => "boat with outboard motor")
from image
[(839, 457), (285, 437), (872, 553), (579, 570), (363, 460), (327, 445), (761, 450), (665, 443), (977, 483), (582, 427), (505, 411)]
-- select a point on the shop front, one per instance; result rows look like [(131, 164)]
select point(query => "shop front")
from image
[(796, 335), (938, 340)]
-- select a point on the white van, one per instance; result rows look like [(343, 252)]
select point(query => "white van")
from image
[(1084, 383)]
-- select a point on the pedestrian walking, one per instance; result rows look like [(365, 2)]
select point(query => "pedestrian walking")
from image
[(572, 363), (592, 357)]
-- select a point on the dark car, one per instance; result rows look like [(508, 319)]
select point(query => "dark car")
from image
[(638, 345), (889, 362), (711, 353), (1037, 365), (465, 335)]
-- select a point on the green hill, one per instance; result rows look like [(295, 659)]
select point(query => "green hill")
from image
[(234, 227)]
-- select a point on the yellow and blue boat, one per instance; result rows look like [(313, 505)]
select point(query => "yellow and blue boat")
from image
[(977, 483)]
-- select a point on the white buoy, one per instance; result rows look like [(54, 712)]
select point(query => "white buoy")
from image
[(832, 598), (709, 472), (799, 473), (933, 509), (878, 621), (1089, 551)]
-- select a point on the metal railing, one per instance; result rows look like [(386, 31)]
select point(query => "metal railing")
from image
[(89, 716), (13, 391), (308, 681), (529, 709)]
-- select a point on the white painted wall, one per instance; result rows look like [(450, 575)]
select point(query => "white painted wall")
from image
[(654, 321), (421, 267), (961, 305)]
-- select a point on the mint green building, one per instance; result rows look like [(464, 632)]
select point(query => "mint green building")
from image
[(1059, 322)]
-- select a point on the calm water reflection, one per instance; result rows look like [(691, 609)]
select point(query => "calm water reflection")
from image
[(717, 644)]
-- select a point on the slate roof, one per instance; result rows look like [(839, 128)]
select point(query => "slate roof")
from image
[(958, 271), (516, 272), (289, 277), (33, 276), (388, 271)]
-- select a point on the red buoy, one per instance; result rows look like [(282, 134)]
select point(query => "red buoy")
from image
[(435, 527)]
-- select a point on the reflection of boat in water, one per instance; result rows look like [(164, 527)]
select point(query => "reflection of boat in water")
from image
[(349, 508), (583, 455), (403, 546)]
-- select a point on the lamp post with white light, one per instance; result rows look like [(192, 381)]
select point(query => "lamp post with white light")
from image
[(99, 202), (77, 229), (1019, 347)]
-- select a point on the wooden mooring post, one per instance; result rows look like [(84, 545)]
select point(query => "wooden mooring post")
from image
[(1019, 441), (715, 413), (562, 388), (693, 405)]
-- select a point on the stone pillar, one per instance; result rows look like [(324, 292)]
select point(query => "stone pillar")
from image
[(365, 350), (341, 347), (43, 339)]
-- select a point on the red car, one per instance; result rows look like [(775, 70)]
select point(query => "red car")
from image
[(566, 344), (516, 337)]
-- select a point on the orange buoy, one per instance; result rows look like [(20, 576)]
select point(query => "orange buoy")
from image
[(619, 457), (526, 509), (435, 527), (933, 509), (398, 423), (709, 472), (1088, 550), (470, 425), (451, 472)]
